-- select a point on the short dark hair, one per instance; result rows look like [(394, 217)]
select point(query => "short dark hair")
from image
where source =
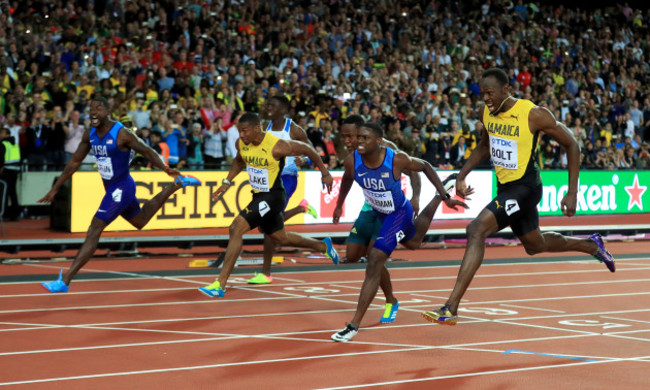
[(375, 127), (282, 100), (250, 118), (499, 74), (101, 100), (356, 120)]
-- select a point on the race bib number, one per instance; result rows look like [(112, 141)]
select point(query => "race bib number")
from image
[(105, 167), (380, 201), (504, 152), (259, 179)]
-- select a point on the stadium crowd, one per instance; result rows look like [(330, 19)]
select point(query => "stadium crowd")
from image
[(181, 72)]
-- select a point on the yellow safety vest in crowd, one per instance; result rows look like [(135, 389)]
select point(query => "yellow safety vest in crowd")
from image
[(12, 152)]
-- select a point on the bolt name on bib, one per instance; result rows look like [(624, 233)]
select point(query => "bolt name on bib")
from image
[(504, 152)]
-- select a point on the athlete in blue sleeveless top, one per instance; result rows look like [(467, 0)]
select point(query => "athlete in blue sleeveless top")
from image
[(378, 170), (275, 109), (113, 146)]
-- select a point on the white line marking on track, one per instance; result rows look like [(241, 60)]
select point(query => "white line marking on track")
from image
[(472, 374), (533, 308)]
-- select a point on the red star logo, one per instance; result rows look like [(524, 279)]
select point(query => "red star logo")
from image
[(636, 194)]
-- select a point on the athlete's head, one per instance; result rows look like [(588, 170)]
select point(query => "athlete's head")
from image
[(494, 88), (99, 110), (349, 131), (249, 127), (370, 137), (275, 107)]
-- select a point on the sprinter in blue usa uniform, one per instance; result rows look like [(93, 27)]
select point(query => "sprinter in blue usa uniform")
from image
[(113, 146), (378, 170)]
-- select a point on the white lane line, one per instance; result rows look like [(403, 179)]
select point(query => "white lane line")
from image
[(554, 298), (625, 319), (190, 368), (102, 292), (139, 276), (450, 277), (341, 285), (480, 373), (533, 308), (287, 279)]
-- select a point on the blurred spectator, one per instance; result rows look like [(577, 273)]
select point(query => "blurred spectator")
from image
[(232, 135), (37, 138), (55, 153), (214, 138), (195, 147), (157, 61)]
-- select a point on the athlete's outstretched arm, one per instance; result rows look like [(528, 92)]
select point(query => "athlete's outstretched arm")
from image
[(541, 119), (299, 134), (346, 184), (237, 165), (402, 161), (478, 155), (127, 138), (70, 168), (296, 148)]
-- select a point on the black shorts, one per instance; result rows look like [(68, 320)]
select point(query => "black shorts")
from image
[(516, 206), (266, 211)]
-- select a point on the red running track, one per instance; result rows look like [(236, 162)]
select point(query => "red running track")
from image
[(564, 324)]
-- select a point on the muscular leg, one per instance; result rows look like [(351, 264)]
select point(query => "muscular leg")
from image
[(237, 229), (422, 223), (283, 237), (537, 242), (477, 231), (89, 246), (293, 212), (354, 251), (151, 207), (376, 266), (269, 249), (269, 245), (386, 285)]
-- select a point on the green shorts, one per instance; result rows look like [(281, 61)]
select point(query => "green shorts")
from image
[(365, 228)]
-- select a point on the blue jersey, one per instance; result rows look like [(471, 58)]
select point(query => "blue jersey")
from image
[(381, 189), (112, 163), (290, 167)]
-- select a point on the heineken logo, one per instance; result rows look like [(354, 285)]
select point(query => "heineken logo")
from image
[(636, 192), (599, 192)]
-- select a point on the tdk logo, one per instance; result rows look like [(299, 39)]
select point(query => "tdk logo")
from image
[(501, 142)]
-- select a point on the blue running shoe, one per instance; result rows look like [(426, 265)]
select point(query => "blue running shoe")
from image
[(57, 286), (331, 253), (603, 255), (213, 290), (390, 312), (187, 181)]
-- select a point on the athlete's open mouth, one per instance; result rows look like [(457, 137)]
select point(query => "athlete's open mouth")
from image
[(94, 121)]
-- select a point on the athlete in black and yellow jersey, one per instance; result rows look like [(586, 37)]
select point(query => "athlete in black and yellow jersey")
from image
[(263, 155), (509, 137)]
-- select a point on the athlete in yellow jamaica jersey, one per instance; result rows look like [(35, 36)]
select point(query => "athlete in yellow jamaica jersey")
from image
[(510, 130), (263, 156)]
